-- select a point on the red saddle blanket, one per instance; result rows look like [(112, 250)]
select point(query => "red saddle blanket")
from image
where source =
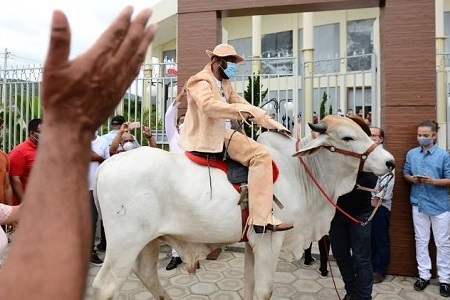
[(222, 165)]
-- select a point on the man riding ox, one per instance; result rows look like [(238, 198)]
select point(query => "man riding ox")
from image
[(212, 105)]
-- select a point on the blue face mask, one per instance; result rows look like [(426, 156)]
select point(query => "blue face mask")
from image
[(230, 70), (423, 141)]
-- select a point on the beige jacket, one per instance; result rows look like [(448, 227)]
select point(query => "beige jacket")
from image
[(204, 123)]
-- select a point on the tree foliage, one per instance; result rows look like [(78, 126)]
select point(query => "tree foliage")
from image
[(323, 107), (323, 103), (255, 88)]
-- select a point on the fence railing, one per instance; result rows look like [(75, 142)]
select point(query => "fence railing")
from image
[(276, 84)]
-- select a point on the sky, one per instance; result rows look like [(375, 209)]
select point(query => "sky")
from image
[(25, 25)]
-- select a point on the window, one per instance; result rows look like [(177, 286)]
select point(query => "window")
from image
[(359, 44), (170, 62), (326, 48), (243, 47), (447, 30), (360, 100), (276, 51)]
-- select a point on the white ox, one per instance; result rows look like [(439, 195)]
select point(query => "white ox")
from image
[(147, 196)]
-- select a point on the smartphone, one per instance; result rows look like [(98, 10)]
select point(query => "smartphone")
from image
[(134, 125), (420, 176)]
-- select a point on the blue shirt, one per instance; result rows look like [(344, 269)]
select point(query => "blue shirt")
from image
[(430, 199)]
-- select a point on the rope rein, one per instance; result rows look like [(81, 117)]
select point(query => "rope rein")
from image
[(362, 157)]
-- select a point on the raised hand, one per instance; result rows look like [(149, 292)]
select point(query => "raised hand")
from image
[(85, 90)]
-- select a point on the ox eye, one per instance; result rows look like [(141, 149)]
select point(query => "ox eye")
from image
[(347, 139)]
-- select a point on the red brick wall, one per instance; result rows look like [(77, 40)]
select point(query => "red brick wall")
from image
[(408, 96), (197, 32)]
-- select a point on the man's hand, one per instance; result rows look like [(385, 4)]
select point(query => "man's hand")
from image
[(285, 132), (124, 127), (147, 132), (85, 90), (96, 157), (376, 201), (180, 96)]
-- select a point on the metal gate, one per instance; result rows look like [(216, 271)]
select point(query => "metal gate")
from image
[(275, 84)]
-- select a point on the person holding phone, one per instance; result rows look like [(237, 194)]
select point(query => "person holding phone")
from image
[(125, 141), (427, 168), (116, 125)]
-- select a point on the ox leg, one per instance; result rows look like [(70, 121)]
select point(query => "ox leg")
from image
[(249, 272), (266, 252), (146, 268), (114, 272)]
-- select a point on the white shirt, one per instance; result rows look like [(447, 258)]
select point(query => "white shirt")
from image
[(222, 93), (101, 147), (382, 181), (171, 130)]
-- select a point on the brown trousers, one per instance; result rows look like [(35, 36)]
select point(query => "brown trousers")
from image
[(260, 179)]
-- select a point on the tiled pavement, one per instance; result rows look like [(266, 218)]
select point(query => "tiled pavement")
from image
[(223, 279)]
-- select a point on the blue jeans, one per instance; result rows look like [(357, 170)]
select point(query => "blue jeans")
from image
[(350, 243), (381, 243)]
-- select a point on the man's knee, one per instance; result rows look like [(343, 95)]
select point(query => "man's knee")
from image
[(263, 155)]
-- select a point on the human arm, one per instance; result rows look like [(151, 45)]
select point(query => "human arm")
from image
[(407, 172), (202, 93), (96, 157), (9, 214), (17, 187), (57, 199), (170, 119), (17, 167), (149, 136), (425, 179), (8, 190), (116, 141), (171, 115)]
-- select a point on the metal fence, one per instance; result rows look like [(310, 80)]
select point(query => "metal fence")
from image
[(275, 84)]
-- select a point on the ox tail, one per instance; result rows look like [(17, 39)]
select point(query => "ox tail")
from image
[(94, 192)]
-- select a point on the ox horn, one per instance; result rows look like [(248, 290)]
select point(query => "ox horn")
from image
[(320, 127)]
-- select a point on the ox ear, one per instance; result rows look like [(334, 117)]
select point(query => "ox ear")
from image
[(311, 147)]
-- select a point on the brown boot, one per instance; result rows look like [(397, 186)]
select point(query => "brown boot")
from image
[(279, 227)]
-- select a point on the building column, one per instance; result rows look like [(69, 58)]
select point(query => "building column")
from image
[(256, 44), (408, 96), (308, 66), (441, 105)]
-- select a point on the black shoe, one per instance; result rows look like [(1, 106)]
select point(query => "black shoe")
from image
[(174, 262), (421, 284), (101, 247), (323, 274), (378, 277), (444, 289), (308, 262), (95, 260), (279, 227), (349, 297)]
